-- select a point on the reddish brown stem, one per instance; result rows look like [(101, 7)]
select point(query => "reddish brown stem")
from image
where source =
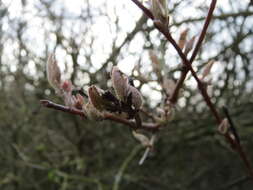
[(188, 67), (107, 116), (180, 82)]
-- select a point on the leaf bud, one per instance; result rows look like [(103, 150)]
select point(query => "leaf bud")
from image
[(136, 97), (91, 112), (119, 83), (95, 97), (53, 73), (224, 126)]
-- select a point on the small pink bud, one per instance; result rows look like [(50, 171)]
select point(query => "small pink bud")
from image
[(67, 86)]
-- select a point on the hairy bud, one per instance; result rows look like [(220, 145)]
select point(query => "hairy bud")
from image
[(95, 97), (53, 73), (120, 83), (91, 112), (136, 97)]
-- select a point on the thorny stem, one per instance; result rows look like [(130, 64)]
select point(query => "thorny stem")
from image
[(188, 67), (107, 116)]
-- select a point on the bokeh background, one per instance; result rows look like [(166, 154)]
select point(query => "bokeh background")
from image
[(46, 149)]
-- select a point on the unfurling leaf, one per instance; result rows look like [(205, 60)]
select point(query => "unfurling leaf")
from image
[(144, 140), (53, 73), (182, 38)]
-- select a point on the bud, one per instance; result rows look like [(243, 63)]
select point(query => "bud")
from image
[(224, 126), (67, 86), (53, 73), (189, 45), (156, 65), (136, 97), (119, 83), (160, 11), (207, 69), (95, 97), (182, 38), (79, 101), (167, 114), (66, 92), (91, 112), (144, 140), (168, 86)]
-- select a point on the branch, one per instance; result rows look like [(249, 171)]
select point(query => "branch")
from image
[(180, 82), (107, 116), (188, 67), (186, 62)]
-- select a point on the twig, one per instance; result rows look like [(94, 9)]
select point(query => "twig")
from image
[(107, 116), (124, 165), (180, 82)]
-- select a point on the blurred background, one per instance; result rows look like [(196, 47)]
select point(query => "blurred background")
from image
[(46, 149)]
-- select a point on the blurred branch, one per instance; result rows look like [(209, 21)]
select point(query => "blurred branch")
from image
[(235, 182), (124, 166), (80, 178)]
